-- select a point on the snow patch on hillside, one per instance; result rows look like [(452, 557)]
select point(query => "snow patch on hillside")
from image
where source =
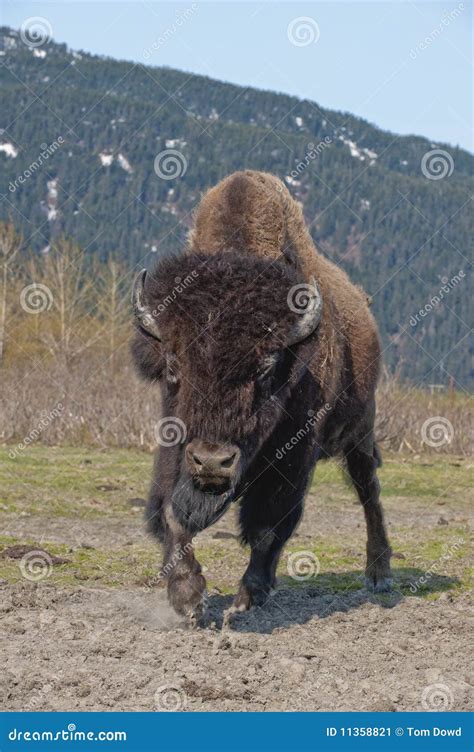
[(9, 150), (357, 152), (172, 143), (124, 163), (52, 200), (106, 159)]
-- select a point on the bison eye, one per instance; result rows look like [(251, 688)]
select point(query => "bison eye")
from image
[(172, 370)]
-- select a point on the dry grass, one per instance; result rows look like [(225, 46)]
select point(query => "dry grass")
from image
[(87, 405), (66, 376)]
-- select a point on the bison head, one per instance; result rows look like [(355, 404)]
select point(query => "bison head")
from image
[(225, 327)]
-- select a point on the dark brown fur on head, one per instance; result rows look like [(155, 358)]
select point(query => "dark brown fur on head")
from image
[(224, 324)]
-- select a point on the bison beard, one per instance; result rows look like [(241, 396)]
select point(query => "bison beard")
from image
[(263, 388), (196, 510)]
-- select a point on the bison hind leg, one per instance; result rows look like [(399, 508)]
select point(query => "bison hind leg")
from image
[(362, 462), (155, 523), (377, 456)]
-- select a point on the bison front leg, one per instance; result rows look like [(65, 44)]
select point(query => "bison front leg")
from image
[(362, 461), (268, 518), (185, 582), (180, 569)]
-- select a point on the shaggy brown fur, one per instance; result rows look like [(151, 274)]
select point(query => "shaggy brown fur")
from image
[(254, 212), (257, 412)]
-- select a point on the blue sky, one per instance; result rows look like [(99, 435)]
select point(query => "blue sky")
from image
[(405, 66)]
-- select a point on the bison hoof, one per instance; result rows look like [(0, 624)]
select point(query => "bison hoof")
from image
[(379, 584), (194, 616), (250, 596), (187, 596)]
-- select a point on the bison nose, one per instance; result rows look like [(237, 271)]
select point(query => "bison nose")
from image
[(212, 460)]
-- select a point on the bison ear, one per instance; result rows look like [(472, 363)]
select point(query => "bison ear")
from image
[(142, 311), (309, 314)]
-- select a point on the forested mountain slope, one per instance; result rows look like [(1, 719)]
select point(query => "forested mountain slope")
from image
[(374, 201)]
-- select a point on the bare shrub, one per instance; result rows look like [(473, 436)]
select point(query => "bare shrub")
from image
[(93, 407), (413, 420), (87, 406), (66, 375)]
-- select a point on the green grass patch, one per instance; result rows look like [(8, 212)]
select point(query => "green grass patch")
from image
[(65, 481), (442, 476), (70, 482)]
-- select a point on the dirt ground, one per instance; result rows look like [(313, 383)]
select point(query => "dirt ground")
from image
[(91, 630)]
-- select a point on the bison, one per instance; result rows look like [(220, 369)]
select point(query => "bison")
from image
[(266, 357)]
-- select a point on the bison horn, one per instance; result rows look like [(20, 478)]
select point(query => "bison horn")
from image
[(141, 309), (307, 301)]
